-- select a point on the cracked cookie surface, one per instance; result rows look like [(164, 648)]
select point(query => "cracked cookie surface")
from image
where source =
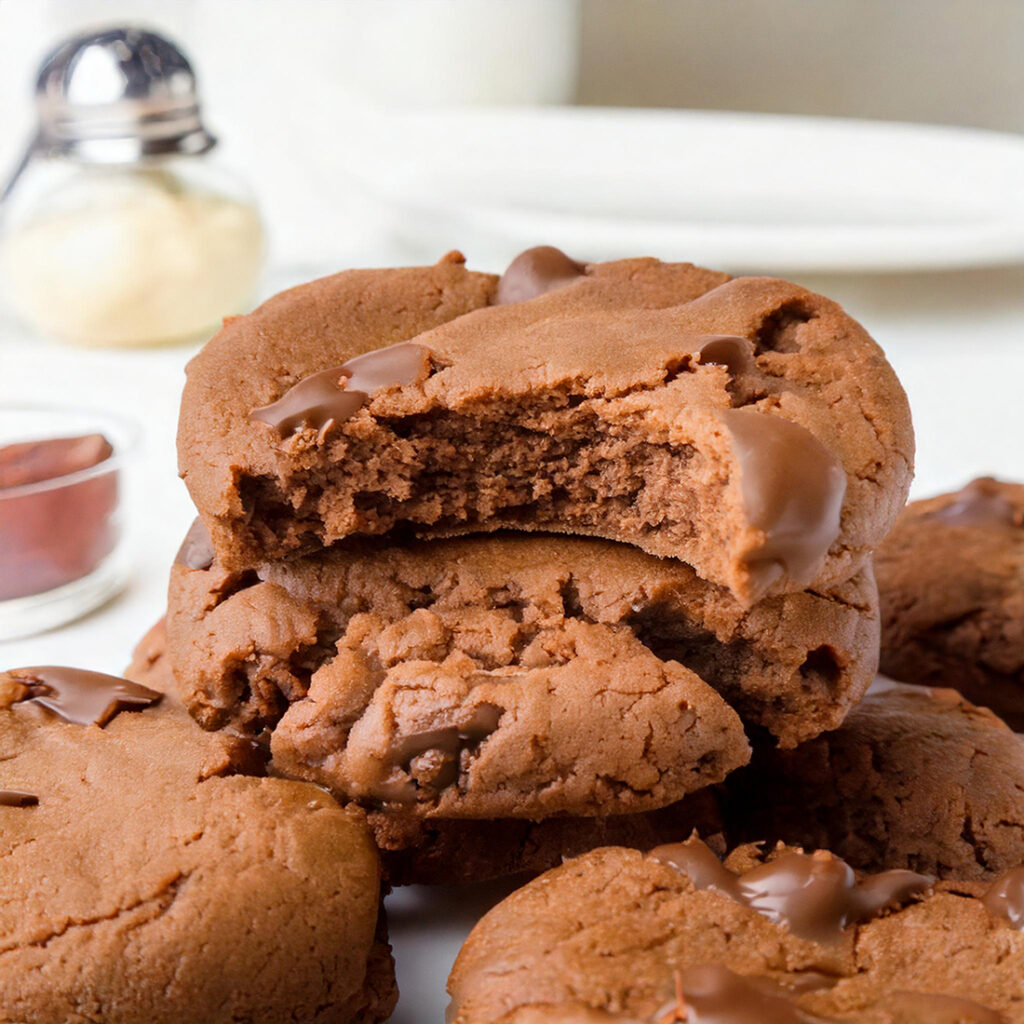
[(425, 679), (746, 426), (247, 647), (950, 578), (915, 778), (603, 937), (436, 851), (509, 676), (150, 883)]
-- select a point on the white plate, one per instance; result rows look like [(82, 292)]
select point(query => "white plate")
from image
[(739, 191)]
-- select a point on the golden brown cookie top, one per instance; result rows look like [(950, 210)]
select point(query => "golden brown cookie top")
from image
[(146, 879)]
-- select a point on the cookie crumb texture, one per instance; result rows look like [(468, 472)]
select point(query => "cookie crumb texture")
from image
[(150, 884), (591, 409), (949, 576), (510, 676), (600, 939)]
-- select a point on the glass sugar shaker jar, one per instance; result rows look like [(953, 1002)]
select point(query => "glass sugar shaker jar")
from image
[(118, 227)]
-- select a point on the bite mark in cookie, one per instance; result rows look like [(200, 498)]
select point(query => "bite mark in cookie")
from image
[(595, 407), (247, 645)]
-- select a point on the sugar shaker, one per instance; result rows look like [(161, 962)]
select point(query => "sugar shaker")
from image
[(118, 227)]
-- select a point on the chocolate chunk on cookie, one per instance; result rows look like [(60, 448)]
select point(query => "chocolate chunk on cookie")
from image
[(786, 937), (143, 880), (951, 580), (747, 427), (915, 778)]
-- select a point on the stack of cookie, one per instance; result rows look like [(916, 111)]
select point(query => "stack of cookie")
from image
[(571, 562), (522, 564)]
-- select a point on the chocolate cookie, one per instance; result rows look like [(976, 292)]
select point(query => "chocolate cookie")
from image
[(143, 880), (951, 577), (747, 427), (915, 778), (789, 938), (435, 851), (448, 696), (439, 851), (247, 647)]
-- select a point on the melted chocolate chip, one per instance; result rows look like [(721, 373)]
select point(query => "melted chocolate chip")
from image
[(940, 1009), (713, 994), (793, 489), (17, 798), (337, 394), (816, 897), (979, 504), (536, 272), (80, 696), (196, 551), (431, 757), (734, 353), (1005, 898)]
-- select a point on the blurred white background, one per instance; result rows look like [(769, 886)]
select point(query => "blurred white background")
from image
[(296, 89), (291, 87)]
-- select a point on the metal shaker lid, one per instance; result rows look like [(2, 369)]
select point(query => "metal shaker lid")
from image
[(116, 95)]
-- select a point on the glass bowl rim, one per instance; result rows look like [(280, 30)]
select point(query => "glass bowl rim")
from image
[(129, 433)]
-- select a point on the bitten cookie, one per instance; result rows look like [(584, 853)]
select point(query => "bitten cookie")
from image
[(951, 577), (436, 851), (447, 681), (914, 778), (249, 648), (144, 881), (790, 938), (747, 427)]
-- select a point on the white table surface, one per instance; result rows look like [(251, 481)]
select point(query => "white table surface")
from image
[(955, 338)]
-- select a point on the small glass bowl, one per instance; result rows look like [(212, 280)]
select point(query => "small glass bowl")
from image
[(63, 543)]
